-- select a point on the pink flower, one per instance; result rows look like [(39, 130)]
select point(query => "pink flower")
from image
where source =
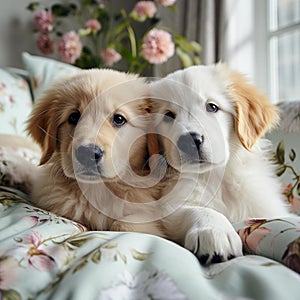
[(69, 47), (36, 257), (93, 24), (292, 200), (145, 9), (43, 21), (45, 44), (110, 56), (166, 2), (157, 46), (253, 234), (31, 220)]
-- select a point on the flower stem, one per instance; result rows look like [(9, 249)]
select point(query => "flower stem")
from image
[(131, 34)]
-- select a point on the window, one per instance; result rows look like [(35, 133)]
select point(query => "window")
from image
[(283, 37)]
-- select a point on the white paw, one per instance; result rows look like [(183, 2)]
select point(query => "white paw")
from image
[(213, 243), (17, 174)]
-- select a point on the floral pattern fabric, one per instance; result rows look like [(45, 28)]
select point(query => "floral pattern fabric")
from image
[(286, 145), (43, 256), (15, 103)]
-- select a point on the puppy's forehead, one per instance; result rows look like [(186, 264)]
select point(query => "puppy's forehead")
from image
[(203, 80), (195, 86), (108, 90)]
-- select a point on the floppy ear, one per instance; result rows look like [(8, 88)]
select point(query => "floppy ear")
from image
[(42, 126), (254, 113)]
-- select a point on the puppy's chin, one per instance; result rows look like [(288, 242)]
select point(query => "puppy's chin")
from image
[(185, 164), (199, 167), (80, 173)]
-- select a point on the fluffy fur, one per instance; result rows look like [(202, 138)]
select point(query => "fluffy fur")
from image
[(19, 157), (93, 162), (210, 121)]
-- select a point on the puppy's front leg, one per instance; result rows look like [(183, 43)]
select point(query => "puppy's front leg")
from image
[(205, 232)]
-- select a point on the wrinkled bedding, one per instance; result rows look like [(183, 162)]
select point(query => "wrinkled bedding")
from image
[(43, 256)]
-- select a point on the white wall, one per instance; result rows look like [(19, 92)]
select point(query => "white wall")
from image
[(15, 32), (16, 29), (244, 26)]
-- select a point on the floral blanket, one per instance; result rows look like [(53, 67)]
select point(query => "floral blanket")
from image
[(43, 256)]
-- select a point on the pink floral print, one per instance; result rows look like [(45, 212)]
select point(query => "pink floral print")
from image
[(253, 234), (36, 257)]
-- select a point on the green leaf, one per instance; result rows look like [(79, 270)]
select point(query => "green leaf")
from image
[(136, 17), (280, 170), (84, 31), (80, 266), (60, 10), (270, 264), (96, 257), (79, 242), (87, 59), (110, 245), (184, 57), (298, 188), (10, 295), (185, 45), (139, 255), (292, 155), (73, 7), (280, 153), (33, 6), (196, 46), (123, 257), (196, 60)]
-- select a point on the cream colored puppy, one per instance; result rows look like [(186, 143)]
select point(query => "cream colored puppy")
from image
[(210, 121)]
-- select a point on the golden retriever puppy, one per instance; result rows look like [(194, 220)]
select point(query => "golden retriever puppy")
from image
[(91, 128), (210, 121)]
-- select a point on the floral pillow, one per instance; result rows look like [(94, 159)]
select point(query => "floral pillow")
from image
[(286, 142), (43, 71), (278, 239), (15, 102)]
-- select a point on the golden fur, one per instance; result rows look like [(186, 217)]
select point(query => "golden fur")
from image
[(254, 113), (98, 202)]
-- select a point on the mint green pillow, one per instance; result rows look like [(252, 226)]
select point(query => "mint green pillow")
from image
[(43, 71), (15, 102)]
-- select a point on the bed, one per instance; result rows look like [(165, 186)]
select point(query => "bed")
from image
[(44, 256)]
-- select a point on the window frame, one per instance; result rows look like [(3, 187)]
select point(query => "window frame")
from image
[(266, 42)]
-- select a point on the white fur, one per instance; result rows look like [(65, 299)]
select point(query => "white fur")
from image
[(234, 185)]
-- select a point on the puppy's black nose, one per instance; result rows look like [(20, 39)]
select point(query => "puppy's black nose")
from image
[(88, 155), (190, 143)]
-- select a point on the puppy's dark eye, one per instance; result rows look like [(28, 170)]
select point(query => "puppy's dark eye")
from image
[(118, 120), (74, 117), (169, 116), (211, 107)]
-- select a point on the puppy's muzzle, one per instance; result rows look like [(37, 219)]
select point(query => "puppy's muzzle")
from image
[(89, 155), (190, 144)]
